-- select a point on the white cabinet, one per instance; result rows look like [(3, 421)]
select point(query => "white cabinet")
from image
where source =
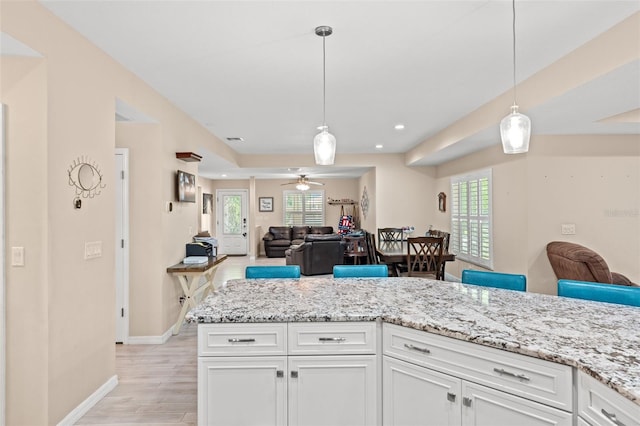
[(332, 390), (434, 380), (599, 405), (288, 374), (242, 391)]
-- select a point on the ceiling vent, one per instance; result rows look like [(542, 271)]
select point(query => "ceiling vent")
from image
[(235, 139)]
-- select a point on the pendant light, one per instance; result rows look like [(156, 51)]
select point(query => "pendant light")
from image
[(324, 144), (515, 128)]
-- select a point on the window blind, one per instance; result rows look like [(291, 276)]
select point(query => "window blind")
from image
[(303, 208), (471, 237)]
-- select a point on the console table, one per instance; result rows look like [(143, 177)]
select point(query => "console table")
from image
[(189, 278)]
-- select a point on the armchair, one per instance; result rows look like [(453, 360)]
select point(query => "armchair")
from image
[(572, 261), (318, 254)]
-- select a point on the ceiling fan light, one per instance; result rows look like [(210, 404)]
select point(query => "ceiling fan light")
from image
[(302, 186), (324, 147), (515, 132)]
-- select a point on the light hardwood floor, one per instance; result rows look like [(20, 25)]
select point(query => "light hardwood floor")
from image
[(157, 383)]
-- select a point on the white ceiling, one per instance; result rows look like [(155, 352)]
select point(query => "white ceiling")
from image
[(253, 69)]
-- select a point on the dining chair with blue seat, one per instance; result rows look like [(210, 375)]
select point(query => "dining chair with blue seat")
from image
[(272, 271), (516, 282), (360, 271), (600, 292)]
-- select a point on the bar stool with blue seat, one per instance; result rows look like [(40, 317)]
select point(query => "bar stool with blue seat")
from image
[(360, 271), (272, 271), (516, 282), (611, 293)]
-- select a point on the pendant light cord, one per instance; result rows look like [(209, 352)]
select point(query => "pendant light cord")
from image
[(324, 84), (513, 7)]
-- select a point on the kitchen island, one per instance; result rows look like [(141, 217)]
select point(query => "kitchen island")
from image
[(601, 340)]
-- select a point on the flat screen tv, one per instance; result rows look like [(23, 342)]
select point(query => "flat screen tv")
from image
[(186, 188)]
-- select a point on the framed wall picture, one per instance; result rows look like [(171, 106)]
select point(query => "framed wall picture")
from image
[(207, 203), (265, 204), (442, 202)]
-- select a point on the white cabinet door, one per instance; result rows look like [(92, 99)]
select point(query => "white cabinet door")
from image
[(242, 391), (415, 395), (332, 390), (486, 406)]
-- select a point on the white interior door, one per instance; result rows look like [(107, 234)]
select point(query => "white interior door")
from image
[(232, 222), (122, 245)]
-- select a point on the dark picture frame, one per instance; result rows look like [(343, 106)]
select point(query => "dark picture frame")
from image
[(207, 203), (265, 204), (442, 202)]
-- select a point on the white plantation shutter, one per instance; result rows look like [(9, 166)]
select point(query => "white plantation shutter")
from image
[(303, 208), (471, 218)]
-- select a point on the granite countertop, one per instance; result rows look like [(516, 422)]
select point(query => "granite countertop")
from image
[(600, 339)]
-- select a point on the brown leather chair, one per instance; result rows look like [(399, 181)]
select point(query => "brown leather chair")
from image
[(572, 261), (318, 254)]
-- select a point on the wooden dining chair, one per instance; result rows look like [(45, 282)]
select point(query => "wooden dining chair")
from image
[(356, 249), (390, 235), (424, 257), (446, 236)]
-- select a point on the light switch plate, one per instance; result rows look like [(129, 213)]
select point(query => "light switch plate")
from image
[(92, 250), (17, 256), (568, 229)]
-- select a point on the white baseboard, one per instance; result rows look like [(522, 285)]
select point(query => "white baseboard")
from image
[(150, 340), (92, 400)]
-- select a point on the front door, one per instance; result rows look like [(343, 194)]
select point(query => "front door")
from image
[(231, 221)]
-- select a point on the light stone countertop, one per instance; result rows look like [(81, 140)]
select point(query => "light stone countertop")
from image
[(600, 339)]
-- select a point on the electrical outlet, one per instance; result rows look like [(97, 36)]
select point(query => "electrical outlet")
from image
[(92, 250), (568, 229), (17, 256)]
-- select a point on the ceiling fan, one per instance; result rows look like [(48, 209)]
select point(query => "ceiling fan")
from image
[(302, 183)]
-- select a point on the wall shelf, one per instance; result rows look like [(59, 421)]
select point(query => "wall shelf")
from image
[(343, 202), (188, 156)]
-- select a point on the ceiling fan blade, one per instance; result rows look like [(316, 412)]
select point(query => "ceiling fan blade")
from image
[(314, 183)]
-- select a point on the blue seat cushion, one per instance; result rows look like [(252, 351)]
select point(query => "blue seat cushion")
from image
[(272, 271), (611, 293), (495, 279), (353, 271)]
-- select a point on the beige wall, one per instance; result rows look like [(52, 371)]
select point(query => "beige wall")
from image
[(60, 307), (591, 181)]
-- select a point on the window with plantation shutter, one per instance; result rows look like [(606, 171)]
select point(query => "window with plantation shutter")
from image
[(303, 208), (471, 218)]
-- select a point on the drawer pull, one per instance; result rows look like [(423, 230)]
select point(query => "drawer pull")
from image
[(466, 401), (279, 373), (612, 417), (415, 348), (451, 397), (242, 340), (510, 374), (294, 374), (331, 339)]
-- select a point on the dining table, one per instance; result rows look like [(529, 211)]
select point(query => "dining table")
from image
[(394, 254)]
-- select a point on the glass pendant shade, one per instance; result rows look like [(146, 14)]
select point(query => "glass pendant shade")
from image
[(324, 147), (515, 131)]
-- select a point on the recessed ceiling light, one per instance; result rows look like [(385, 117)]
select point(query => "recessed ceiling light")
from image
[(399, 126), (223, 175), (235, 139), (379, 146), (294, 169)]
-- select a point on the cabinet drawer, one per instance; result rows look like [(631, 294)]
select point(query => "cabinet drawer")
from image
[(332, 338), (538, 380), (600, 405), (242, 339)]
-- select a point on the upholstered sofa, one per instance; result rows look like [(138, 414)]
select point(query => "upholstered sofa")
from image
[(318, 254), (279, 238), (571, 261)]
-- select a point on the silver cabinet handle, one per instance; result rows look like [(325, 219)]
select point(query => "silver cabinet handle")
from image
[(279, 373), (510, 374), (416, 348), (242, 340), (331, 339), (451, 397), (612, 417), (294, 374), (466, 401)]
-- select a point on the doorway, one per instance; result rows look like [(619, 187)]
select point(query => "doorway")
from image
[(122, 244), (231, 221)]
